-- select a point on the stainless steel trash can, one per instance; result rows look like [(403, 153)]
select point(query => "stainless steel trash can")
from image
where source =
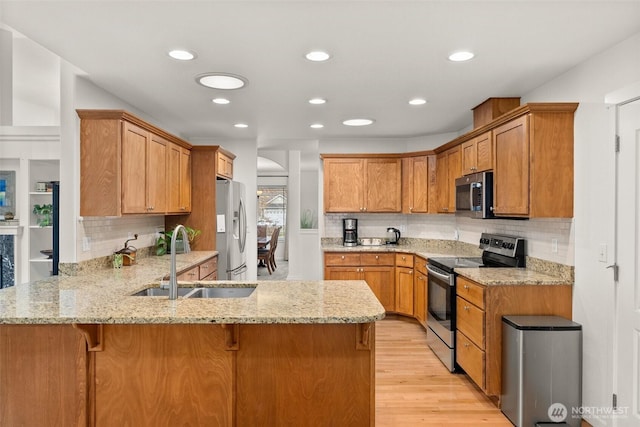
[(541, 370)]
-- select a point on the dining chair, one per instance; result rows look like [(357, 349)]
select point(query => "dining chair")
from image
[(267, 255)]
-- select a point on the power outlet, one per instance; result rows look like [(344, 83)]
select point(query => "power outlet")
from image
[(86, 244), (554, 246)]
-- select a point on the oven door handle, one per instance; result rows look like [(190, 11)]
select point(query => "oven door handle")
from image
[(438, 274)]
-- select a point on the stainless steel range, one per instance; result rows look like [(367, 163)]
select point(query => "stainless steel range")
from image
[(498, 251)]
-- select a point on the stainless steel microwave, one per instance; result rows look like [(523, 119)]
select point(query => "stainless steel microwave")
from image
[(474, 195)]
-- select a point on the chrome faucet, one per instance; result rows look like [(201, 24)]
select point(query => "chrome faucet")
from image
[(173, 279)]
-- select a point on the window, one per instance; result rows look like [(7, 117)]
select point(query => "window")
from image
[(272, 210)]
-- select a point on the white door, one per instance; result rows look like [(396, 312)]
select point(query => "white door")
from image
[(627, 375)]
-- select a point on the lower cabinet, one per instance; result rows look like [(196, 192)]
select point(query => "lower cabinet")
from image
[(163, 375), (420, 291), (377, 269), (404, 284), (390, 275), (187, 374), (43, 376), (206, 270), (479, 323)]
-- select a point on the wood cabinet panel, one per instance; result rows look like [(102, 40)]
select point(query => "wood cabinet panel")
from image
[(46, 383), (125, 165), (207, 268), (190, 274), (157, 186), (415, 184), (342, 259), (383, 185), (136, 387), (477, 154), (449, 167), (185, 180), (381, 280), (404, 290), (224, 164), (134, 169), (471, 358), (342, 273), (470, 321), (373, 259), (288, 363), (470, 291), (362, 184), (344, 185), (484, 327), (511, 162), (420, 298), (404, 260)]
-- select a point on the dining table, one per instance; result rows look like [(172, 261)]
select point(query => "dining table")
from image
[(263, 242)]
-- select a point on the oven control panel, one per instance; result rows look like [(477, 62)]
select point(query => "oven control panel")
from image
[(501, 244)]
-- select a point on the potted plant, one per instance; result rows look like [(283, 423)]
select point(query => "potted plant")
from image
[(44, 214), (163, 243)]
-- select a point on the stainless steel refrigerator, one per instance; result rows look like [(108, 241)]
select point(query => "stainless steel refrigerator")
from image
[(231, 236)]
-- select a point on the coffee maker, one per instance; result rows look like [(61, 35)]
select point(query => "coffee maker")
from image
[(350, 232)]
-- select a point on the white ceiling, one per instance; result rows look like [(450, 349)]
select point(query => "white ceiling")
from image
[(383, 54)]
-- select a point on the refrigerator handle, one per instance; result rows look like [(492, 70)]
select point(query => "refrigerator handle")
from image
[(243, 226)]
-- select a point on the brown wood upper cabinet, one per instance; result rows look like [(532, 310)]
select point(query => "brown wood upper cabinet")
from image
[(477, 154), (415, 184), (533, 162), (448, 168), (179, 179), (224, 164), (126, 166), (356, 184)]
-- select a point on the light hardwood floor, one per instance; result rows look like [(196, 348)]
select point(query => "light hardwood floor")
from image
[(413, 388)]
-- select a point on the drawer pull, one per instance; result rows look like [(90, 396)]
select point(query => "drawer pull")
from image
[(342, 257), (377, 257), (205, 266), (404, 258), (466, 345), (466, 307), (466, 286)]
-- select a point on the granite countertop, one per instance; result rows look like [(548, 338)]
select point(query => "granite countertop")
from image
[(544, 273), (509, 276), (104, 296)]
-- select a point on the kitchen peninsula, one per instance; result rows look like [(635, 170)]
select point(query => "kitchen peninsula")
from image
[(83, 351)]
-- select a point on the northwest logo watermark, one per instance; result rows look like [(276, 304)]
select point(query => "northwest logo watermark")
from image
[(558, 412)]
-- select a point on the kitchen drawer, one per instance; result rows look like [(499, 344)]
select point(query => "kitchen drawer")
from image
[(190, 274), (421, 265), (212, 276), (376, 259), (404, 260), (470, 291), (470, 321), (336, 258), (471, 359), (208, 267)]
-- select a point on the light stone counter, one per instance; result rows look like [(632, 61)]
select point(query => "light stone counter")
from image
[(509, 276), (538, 272), (104, 296)]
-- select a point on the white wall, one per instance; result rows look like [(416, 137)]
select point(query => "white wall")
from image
[(593, 302)]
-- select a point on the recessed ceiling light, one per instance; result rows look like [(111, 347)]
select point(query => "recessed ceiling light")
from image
[(224, 81), (317, 56), (241, 125), (316, 126), (418, 101), (221, 101), (317, 101), (182, 55), (357, 122), (461, 56)]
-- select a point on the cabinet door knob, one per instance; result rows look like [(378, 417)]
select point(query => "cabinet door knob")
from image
[(404, 258), (466, 307), (466, 345), (377, 257), (466, 286), (342, 257)]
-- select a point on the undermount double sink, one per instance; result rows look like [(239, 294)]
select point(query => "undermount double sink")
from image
[(199, 292)]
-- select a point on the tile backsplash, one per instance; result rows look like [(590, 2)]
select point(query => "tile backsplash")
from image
[(99, 237), (547, 239)]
